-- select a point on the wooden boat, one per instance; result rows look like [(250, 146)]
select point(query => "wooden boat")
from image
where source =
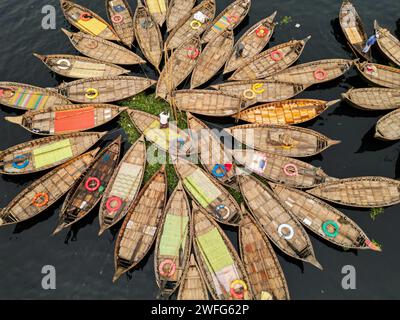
[(229, 18), (207, 102), (141, 224), (120, 14), (124, 186), (360, 192), (80, 67), (271, 61), (45, 191), (212, 59), (158, 10), (276, 220), (206, 191), (213, 155), (261, 263), (282, 140), (315, 72), (193, 286), (220, 265), (177, 10), (26, 97), (286, 112), (260, 91), (87, 21), (42, 154), (291, 172), (178, 67), (323, 219), (189, 26), (174, 242), (388, 43), (89, 188), (102, 50), (251, 43), (148, 35), (388, 127), (379, 75), (373, 98), (171, 139), (353, 29), (104, 90), (67, 119)]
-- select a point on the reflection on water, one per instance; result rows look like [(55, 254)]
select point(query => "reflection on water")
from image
[(84, 262)]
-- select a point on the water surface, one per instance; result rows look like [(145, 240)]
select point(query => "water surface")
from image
[(84, 262)]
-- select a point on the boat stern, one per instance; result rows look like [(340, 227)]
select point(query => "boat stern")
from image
[(39, 56), (272, 17), (15, 120), (333, 142), (311, 259), (332, 103), (101, 231), (67, 33), (118, 273), (59, 228)]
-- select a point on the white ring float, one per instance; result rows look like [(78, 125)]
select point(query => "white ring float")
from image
[(221, 207), (63, 64), (286, 236)]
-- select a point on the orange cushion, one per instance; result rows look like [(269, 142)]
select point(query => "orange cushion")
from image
[(73, 120)]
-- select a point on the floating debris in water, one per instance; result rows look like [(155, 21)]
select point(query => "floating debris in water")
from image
[(376, 243), (286, 20), (375, 212), (297, 25)]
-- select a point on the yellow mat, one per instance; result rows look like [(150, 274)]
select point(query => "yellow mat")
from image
[(174, 235), (93, 26), (156, 6), (215, 251), (52, 153)]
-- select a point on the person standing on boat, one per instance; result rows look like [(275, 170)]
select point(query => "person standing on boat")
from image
[(164, 118)]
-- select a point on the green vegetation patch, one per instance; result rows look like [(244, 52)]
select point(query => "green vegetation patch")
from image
[(375, 212), (150, 104), (153, 105), (376, 243), (286, 20)]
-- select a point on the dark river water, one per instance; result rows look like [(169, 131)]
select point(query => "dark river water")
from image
[(84, 262)]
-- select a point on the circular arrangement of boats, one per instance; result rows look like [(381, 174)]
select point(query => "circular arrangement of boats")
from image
[(283, 196)]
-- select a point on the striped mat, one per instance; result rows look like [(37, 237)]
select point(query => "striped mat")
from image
[(221, 24), (29, 100)]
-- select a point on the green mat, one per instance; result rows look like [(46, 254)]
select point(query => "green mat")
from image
[(171, 239), (215, 250), (201, 188), (52, 153)]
